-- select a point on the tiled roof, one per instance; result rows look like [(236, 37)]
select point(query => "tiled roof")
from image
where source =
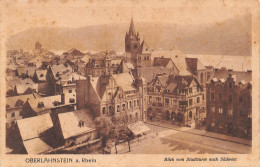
[(80, 121), (161, 61), (41, 74), (68, 77), (36, 146), (48, 102), (26, 70), (237, 75), (32, 127), (12, 101), (149, 73)]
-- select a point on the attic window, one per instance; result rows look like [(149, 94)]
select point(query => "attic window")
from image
[(41, 75), (81, 123), (40, 104)]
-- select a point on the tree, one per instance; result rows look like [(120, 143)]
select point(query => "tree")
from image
[(104, 128)]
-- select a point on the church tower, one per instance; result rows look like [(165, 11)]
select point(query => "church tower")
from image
[(132, 39)]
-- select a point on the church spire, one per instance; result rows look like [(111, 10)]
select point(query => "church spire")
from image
[(132, 28)]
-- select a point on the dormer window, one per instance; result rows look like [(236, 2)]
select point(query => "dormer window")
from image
[(40, 105), (81, 123)]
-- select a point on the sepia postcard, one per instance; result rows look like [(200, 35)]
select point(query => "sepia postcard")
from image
[(130, 83)]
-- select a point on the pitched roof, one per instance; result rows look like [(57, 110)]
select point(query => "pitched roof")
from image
[(60, 69), (12, 101), (237, 75), (149, 73), (80, 121), (41, 74), (36, 146), (161, 61), (32, 127), (69, 77), (26, 70), (177, 57), (124, 81), (194, 65), (24, 85)]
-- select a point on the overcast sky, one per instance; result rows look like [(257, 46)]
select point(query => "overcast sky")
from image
[(20, 15)]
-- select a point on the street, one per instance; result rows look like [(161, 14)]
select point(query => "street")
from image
[(171, 141)]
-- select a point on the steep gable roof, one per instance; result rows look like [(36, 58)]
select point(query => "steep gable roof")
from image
[(80, 121)]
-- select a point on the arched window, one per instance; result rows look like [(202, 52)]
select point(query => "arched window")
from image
[(104, 110)]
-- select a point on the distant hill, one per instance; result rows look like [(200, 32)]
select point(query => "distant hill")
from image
[(231, 37)]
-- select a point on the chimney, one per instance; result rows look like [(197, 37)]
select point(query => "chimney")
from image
[(62, 98)]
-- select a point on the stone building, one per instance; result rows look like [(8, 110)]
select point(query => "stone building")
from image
[(117, 96), (229, 103), (175, 98), (102, 65)]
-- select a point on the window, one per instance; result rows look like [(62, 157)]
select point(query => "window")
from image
[(198, 99), (212, 96), (123, 106), (118, 108), (127, 105), (190, 102), (135, 46), (147, 57), (230, 98), (110, 109), (202, 96), (134, 103), (212, 109), (144, 58), (220, 110), (167, 101), (104, 110), (70, 91), (240, 99), (130, 104), (230, 111), (220, 96), (81, 123), (190, 90), (7, 106), (72, 100), (40, 105), (20, 113), (13, 114), (137, 102)]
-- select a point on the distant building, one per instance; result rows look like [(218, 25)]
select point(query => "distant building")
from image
[(175, 98), (229, 103), (102, 65), (136, 52)]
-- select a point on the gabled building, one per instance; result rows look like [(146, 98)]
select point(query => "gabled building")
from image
[(50, 104), (175, 98), (80, 129), (39, 76), (34, 135), (229, 103), (102, 65), (14, 106), (113, 95)]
